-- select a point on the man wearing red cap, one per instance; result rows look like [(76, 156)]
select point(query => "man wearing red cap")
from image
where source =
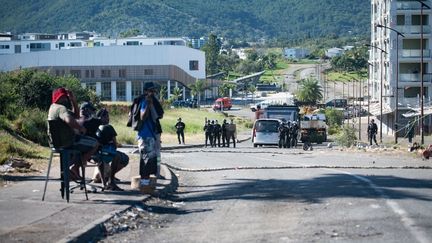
[(64, 107)]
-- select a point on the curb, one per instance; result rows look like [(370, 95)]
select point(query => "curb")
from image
[(173, 147), (96, 228)]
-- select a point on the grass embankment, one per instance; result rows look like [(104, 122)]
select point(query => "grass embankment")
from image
[(193, 118), (14, 146)]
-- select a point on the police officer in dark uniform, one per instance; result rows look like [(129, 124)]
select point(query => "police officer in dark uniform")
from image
[(208, 130), (372, 132), (217, 134), (224, 133)]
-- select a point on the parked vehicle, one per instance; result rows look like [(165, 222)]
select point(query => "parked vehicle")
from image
[(313, 129), (185, 103), (265, 132), (224, 103), (263, 104)]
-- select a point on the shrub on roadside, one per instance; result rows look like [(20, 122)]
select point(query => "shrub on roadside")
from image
[(333, 130), (347, 136)]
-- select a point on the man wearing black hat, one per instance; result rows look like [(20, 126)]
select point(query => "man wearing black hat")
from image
[(149, 133), (180, 126)]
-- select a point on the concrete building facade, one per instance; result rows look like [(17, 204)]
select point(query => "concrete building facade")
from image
[(400, 65), (116, 71)]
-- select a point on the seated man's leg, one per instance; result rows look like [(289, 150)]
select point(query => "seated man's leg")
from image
[(87, 146)]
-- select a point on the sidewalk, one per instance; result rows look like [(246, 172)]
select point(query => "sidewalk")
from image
[(25, 218)]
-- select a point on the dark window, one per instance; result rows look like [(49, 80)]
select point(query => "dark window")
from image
[(76, 73), (414, 92), (148, 71), (122, 73), (89, 73), (106, 73), (193, 65)]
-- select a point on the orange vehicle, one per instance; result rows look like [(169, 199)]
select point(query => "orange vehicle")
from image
[(222, 104)]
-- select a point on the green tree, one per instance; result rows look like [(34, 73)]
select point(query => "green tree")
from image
[(212, 49), (309, 91), (197, 88), (130, 33), (176, 94), (224, 88)]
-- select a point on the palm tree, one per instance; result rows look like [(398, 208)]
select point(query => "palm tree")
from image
[(197, 88), (162, 93), (224, 88), (309, 91), (252, 89), (177, 93)]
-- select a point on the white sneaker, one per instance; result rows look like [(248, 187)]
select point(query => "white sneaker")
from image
[(144, 182)]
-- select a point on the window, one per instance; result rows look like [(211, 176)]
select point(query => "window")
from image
[(106, 73), (89, 73), (122, 73), (132, 43), (414, 92), (193, 65), (75, 44), (76, 73), (137, 88), (148, 71), (121, 91), (400, 20), (106, 91), (4, 46), (40, 46)]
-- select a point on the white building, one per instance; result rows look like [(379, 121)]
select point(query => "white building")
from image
[(334, 52), (116, 70), (405, 17), (295, 53)]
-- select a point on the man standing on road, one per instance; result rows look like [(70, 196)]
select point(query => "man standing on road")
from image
[(208, 129), (217, 133), (147, 135), (224, 133), (258, 112), (180, 126), (372, 132), (231, 133)]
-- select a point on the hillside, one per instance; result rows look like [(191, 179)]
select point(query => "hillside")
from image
[(246, 19)]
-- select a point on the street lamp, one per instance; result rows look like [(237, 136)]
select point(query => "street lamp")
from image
[(381, 88), (368, 92), (397, 79), (421, 71)]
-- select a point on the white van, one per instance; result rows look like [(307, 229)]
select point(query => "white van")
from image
[(264, 104), (265, 132)]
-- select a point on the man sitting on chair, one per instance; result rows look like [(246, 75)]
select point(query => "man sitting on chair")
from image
[(106, 135), (64, 108)]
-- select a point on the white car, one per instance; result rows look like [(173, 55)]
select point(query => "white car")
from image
[(265, 132), (264, 104)]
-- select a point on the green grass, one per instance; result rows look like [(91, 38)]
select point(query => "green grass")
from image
[(342, 77)]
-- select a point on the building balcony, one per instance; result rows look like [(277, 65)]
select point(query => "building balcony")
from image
[(414, 29), (408, 5), (409, 77), (414, 53), (409, 102)]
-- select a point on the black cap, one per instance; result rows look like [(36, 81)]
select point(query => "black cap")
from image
[(149, 85), (87, 106)]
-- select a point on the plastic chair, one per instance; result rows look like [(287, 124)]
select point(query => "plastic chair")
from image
[(67, 155)]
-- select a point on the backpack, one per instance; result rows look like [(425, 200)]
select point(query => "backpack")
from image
[(134, 120)]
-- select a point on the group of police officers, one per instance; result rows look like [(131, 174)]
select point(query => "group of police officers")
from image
[(215, 132)]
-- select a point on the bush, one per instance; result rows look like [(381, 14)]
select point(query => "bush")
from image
[(333, 130), (347, 136), (334, 117)]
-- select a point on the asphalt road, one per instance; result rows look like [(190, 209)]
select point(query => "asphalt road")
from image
[(288, 195)]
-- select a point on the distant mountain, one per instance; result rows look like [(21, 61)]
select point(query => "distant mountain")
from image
[(245, 19)]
